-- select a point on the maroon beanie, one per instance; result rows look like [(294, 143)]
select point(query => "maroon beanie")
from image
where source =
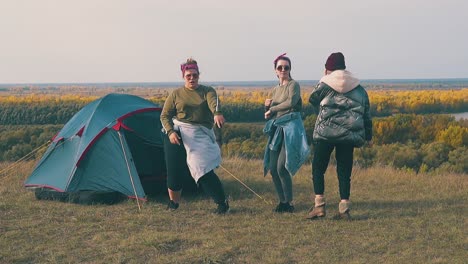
[(335, 62)]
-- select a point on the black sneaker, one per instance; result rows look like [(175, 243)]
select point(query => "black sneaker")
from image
[(223, 208), (279, 208), (172, 206), (289, 208), (284, 208)]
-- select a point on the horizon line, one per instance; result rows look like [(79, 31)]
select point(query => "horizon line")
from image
[(230, 82)]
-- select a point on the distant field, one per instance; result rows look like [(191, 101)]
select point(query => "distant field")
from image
[(399, 217)]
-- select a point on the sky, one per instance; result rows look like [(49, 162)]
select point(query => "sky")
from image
[(63, 41)]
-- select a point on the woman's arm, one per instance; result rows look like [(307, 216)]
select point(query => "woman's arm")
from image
[(214, 105), (317, 95), (213, 101), (367, 118), (167, 113)]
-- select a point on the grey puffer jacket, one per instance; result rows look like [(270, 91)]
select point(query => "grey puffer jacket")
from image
[(343, 110)]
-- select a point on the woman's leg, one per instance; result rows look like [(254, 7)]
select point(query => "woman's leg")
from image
[(176, 167), (344, 167), (284, 176), (322, 152), (212, 186), (274, 157)]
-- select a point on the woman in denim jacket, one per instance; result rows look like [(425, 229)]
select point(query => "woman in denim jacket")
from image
[(287, 147)]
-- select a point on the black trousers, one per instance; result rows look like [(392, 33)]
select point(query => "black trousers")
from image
[(178, 172), (344, 166)]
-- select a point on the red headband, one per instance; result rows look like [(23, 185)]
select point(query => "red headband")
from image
[(191, 66), (278, 58)]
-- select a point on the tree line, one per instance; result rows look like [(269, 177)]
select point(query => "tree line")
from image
[(238, 105), (434, 142), (402, 138), (416, 142)]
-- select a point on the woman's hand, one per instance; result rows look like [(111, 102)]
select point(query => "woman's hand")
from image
[(219, 120), (267, 108), (174, 138)]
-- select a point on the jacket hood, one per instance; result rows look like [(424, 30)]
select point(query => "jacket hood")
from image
[(341, 81)]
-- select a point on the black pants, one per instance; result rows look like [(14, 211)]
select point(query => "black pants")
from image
[(344, 166), (178, 171)]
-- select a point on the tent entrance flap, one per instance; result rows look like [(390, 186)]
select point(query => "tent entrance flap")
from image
[(147, 151)]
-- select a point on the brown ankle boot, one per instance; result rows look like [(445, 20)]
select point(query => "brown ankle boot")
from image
[(319, 209), (317, 212), (343, 211)]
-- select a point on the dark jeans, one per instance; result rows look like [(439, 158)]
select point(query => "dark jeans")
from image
[(344, 166), (177, 171)]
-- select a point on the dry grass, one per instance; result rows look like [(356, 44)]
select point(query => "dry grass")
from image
[(399, 217)]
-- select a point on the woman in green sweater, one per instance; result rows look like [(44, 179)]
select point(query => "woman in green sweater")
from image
[(188, 116), (287, 147)]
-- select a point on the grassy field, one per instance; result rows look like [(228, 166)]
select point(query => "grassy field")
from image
[(399, 217)]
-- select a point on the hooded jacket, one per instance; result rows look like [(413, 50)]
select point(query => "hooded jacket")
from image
[(343, 110)]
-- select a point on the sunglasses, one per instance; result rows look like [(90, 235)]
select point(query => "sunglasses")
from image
[(283, 68), (192, 75)]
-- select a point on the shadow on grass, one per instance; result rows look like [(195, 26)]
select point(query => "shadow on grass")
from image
[(241, 199), (360, 210), (162, 197), (405, 208)]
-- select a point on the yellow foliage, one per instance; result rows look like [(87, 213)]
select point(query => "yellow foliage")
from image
[(454, 136), (381, 99), (412, 100), (391, 101), (46, 98)]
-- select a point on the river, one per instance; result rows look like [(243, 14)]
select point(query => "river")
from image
[(459, 116)]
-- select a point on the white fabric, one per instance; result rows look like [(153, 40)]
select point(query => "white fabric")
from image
[(203, 153), (341, 81)]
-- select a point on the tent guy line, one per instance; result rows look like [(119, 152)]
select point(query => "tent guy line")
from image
[(245, 185), (14, 164)]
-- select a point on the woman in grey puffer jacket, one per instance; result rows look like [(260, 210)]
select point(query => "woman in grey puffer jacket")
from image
[(343, 123)]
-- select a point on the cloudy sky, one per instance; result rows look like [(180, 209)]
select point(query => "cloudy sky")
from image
[(146, 40)]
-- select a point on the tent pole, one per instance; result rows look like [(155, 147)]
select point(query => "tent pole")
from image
[(129, 172)]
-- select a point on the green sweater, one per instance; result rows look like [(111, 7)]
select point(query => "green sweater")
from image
[(286, 99), (196, 106)]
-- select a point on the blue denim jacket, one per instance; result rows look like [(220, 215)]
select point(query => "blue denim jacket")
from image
[(297, 150)]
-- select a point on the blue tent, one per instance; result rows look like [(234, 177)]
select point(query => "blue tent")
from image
[(113, 144)]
